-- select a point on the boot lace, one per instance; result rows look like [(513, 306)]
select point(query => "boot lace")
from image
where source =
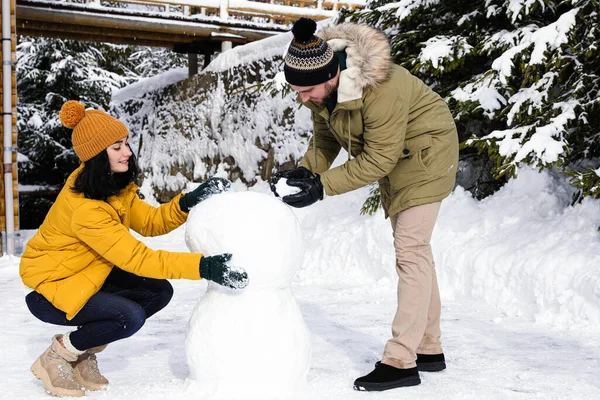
[(93, 365), (65, 370)]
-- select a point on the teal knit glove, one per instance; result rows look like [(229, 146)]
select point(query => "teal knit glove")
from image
[(202, 192), (217, 269)]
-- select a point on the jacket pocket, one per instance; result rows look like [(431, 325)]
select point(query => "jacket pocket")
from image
[(412, 167)]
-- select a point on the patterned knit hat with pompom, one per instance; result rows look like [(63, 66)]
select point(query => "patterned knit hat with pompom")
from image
[(93, 130), (309, 60)]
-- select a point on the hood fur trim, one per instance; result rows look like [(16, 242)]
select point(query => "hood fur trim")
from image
[(368, 57)]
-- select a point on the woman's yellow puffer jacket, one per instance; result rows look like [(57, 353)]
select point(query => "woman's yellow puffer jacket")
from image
[(80, 241)]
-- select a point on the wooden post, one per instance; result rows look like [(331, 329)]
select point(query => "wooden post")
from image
[(226, 45), (11, 166), (223, 9), (207, 56), (192, 64)]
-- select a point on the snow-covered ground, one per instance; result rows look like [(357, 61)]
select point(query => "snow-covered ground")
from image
[(520, 281)]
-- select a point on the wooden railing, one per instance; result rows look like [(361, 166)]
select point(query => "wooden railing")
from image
[(169, 23), (258, 11)]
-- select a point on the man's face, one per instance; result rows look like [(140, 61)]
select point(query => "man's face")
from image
[(318, 93)]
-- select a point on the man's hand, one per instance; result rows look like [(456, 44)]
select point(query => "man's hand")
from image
[(311, 191), (294, 173), (217, 269), (202, 192)]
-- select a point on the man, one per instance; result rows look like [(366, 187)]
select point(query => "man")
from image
[(397, 132)]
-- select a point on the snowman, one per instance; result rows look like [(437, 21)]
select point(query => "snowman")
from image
[(250, 343)]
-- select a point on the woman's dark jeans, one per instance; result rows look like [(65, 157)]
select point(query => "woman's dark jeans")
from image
[(115, 312)]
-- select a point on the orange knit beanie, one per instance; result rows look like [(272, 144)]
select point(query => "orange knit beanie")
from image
[(93, 130)]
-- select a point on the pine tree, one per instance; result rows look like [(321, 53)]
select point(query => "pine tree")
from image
[(151, 61), (520, 77), (50, 72)]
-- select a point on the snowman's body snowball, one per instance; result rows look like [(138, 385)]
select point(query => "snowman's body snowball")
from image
[(251, 342)]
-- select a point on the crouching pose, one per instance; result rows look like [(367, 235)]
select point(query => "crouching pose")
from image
[(87, 269)]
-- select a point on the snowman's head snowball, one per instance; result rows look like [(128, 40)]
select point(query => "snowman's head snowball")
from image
[(261, 232)]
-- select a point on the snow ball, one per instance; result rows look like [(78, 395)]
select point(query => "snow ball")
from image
[(261, 232)]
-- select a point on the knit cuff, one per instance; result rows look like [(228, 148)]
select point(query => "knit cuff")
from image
[(69, 346)]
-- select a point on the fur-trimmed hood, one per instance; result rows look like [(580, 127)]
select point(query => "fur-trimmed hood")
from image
[(368, 59)]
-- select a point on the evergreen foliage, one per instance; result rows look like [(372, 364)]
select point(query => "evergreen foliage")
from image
[(50, 72), (520, 76), (238, 121), (151, 61)]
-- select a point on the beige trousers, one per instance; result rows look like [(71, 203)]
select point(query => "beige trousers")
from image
[(416, 326)]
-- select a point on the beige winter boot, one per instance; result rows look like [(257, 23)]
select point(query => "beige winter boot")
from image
[(54, 369), (87, 372)]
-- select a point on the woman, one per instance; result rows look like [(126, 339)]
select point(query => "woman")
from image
[(86, 268)]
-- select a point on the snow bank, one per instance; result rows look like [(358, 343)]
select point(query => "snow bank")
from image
[(524, 250)]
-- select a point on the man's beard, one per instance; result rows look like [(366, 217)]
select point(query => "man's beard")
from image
[(330, 93)]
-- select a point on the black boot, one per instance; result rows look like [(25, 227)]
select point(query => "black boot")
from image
[(386, 377), (431, 362)]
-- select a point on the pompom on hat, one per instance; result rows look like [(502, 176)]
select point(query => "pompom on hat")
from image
[(93, 130), (309, 60)]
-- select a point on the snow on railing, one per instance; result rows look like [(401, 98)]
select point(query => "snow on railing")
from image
[(273, 11)]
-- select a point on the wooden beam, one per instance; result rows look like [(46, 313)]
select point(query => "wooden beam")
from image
[(70, 31), (95, 38), (92, 18)]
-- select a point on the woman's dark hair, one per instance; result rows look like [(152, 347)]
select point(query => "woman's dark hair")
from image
[(96, 182)]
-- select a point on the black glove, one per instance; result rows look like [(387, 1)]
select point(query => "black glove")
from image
[(294, 173), (311, 191), (217, 269), (202, 192)]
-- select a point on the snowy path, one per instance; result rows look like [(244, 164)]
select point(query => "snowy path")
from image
[(488, 358)]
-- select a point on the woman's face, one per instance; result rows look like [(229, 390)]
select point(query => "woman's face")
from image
[(118, 155)]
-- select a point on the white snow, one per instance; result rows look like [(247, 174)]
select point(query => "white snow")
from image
[(483, 92), (34, 188), (440, 48), (276, 8), (541, 141), (36, 121), (220, 126), (519, 277), (519, 272), (405, 7), (467, 17), (22, 158), (436, 49), (283, 189), (545, 143), (150, 84), (515, 8), (253, 342), (261, 232), (545, 38), (534, 96), (261, 49), (504, 63), (552, 36)]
